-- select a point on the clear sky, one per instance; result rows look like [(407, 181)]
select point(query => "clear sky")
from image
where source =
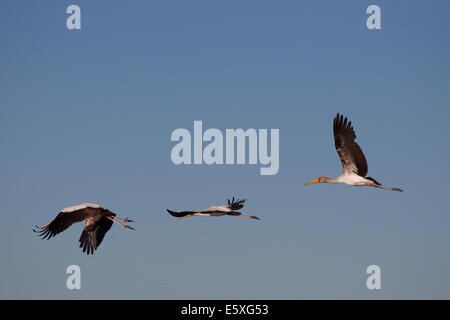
[(86, 116)]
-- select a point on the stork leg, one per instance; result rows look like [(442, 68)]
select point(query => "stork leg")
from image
[(386, 188), (249, 217), (234, 213), (123, 220), (113, 219)]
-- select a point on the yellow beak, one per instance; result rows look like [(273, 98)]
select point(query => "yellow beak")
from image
[(311, 182), (188, 215)]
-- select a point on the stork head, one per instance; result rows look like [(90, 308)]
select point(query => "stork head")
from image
[(318, 180)]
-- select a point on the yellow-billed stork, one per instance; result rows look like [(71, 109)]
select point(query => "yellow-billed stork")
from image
[(98, 221), (216, 211), (353, 160)]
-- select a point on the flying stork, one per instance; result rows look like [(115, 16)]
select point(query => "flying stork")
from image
[(353, 160), (98, 221), (216, 211)]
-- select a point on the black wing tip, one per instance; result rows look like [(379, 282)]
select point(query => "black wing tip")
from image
[(342, 120), (44, 232), (87, 246), (178, 214), (233, 201), (236, 204), (89, 251), (342, 126), (339, 117)]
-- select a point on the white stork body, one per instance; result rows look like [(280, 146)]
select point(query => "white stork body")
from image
[(354, 162), (87, 207), (98, 221), (215, 211), (351, 179)]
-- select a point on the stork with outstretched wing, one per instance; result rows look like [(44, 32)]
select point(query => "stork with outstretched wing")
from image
[(353, 160), (98, 221), (216, 211)]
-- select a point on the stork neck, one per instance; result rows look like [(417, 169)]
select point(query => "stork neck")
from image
[(331, 180)]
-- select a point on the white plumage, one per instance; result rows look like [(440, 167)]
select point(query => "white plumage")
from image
[(215, 211), (354, 162)]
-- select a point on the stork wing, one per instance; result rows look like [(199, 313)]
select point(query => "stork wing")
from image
[(66, 218), (93, 234), (352, 157), (235, 205), (62, 221)]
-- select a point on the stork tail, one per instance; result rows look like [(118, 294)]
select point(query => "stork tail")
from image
[(373, 180)]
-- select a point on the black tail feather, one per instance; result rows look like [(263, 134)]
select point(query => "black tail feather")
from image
[(372, 179)]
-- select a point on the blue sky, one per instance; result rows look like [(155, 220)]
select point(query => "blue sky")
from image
[(86, 116)]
